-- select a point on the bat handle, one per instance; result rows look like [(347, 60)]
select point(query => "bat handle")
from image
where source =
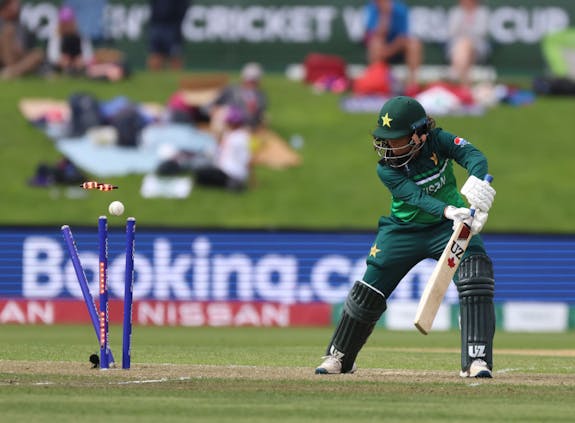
[(487, 178)]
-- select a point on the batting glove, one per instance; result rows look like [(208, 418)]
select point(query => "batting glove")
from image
[(478, 221), (479, 193), (458, 214)]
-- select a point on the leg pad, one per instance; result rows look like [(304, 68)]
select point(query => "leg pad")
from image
[(362, 309), (476, 286)]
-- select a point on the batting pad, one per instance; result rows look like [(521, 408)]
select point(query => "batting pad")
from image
[(362, 309), (476, 287)]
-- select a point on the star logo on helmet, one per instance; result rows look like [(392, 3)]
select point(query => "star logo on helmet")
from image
[(386, 120)]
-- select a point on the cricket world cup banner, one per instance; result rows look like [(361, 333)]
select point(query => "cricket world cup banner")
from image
[(197, 277), (224, 34)]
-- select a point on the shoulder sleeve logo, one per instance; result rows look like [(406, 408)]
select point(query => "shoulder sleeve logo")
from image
[(460, 141)]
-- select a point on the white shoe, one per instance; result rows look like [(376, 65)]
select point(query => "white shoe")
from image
[(332, 365), (478, 368)]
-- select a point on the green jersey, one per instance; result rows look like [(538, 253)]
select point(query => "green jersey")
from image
[(426, 185)]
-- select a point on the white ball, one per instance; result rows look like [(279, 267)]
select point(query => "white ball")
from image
[(116, 208)]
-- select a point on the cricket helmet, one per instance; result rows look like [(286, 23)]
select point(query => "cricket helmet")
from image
[(399, 117)]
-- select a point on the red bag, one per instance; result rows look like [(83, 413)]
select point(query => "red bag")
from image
[(319, 66), (375, 80)]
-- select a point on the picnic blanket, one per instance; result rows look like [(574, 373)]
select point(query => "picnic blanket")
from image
[(113, 160), (96, 155)]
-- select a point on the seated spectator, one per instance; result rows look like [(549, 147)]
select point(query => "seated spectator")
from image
[(232, 165), (20, 53), (247, 96), (388, 39), (90, 17), (468, 43), (68, 51), (165, 34)]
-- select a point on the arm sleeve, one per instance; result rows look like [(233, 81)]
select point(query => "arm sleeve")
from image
[(464, 153), (404, 189)]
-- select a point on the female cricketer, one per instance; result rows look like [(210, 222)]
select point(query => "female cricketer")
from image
[(416, 165)]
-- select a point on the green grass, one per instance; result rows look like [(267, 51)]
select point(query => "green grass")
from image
[(529, 149), (209, 401), (403, 376)]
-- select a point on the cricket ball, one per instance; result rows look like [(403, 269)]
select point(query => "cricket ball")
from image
[(116, 208)]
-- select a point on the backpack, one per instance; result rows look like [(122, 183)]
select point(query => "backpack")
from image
[(128, 123), (84, 113)]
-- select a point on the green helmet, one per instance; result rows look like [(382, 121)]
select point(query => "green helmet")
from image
[(399, 117)]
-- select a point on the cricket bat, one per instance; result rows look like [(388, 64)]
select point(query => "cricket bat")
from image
[(442, 275)]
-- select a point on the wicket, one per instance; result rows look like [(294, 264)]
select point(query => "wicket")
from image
[(128, 289), (103, 290), (100, 317)]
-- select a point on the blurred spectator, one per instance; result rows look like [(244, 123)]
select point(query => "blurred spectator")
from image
[(68, 51), (20, 52), (388, 39), (232, 165), (165, 34), (90, 19), (102, 61), (468, 43), (247, 96)]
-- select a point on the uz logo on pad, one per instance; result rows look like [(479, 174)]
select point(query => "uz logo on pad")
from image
[(476, 351)]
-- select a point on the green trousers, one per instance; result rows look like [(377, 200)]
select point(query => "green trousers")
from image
[(399, 246)]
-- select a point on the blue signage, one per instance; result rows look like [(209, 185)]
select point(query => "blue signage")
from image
[(287, 267)]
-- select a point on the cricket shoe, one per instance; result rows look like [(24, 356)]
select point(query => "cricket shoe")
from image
[(478, 368), (332, 365)]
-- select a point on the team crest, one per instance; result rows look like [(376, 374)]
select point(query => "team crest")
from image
[(386, 120), (460, 141)]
